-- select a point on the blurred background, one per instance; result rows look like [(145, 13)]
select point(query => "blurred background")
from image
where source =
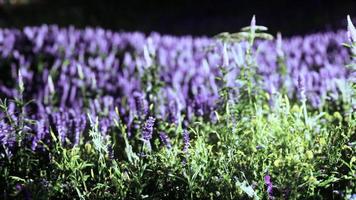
[(181, 17)]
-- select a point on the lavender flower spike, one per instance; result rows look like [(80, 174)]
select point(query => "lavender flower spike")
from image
[(186, 140), (148, 129), (165, 139), (141, 104), (269, 184), (351, 30)]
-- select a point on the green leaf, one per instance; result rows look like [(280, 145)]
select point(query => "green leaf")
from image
[(16, 178), (257, 28)]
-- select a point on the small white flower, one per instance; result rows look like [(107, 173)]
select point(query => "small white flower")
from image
[(80, 71), (279, 45), (253, 23), (351, 31), (150, 46), (225, 56), (20, 82), (50, 85), (147, 56)]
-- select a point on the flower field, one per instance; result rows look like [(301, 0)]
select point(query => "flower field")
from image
[(92, 113)]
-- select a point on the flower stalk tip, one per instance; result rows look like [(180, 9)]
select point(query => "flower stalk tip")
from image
[(351, 30)]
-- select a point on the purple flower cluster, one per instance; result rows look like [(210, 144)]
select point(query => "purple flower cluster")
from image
[(317, 59), (41, 132), (68, 124), (70, 72), (7, 138), (147, 129), (165, 140), (141, 105), (269, 185)]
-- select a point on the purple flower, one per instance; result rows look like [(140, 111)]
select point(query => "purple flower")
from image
[(269, 185), (18, 187), (7, 138), (104, 125), (41, 132), (148, 128), (61, 127), (79, 126), (141, 104), (165, 139)]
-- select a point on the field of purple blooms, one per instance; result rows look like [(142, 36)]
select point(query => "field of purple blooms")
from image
[(67, 84), (57, 64)]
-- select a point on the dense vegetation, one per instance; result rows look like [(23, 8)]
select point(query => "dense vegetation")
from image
[(101, 115)]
